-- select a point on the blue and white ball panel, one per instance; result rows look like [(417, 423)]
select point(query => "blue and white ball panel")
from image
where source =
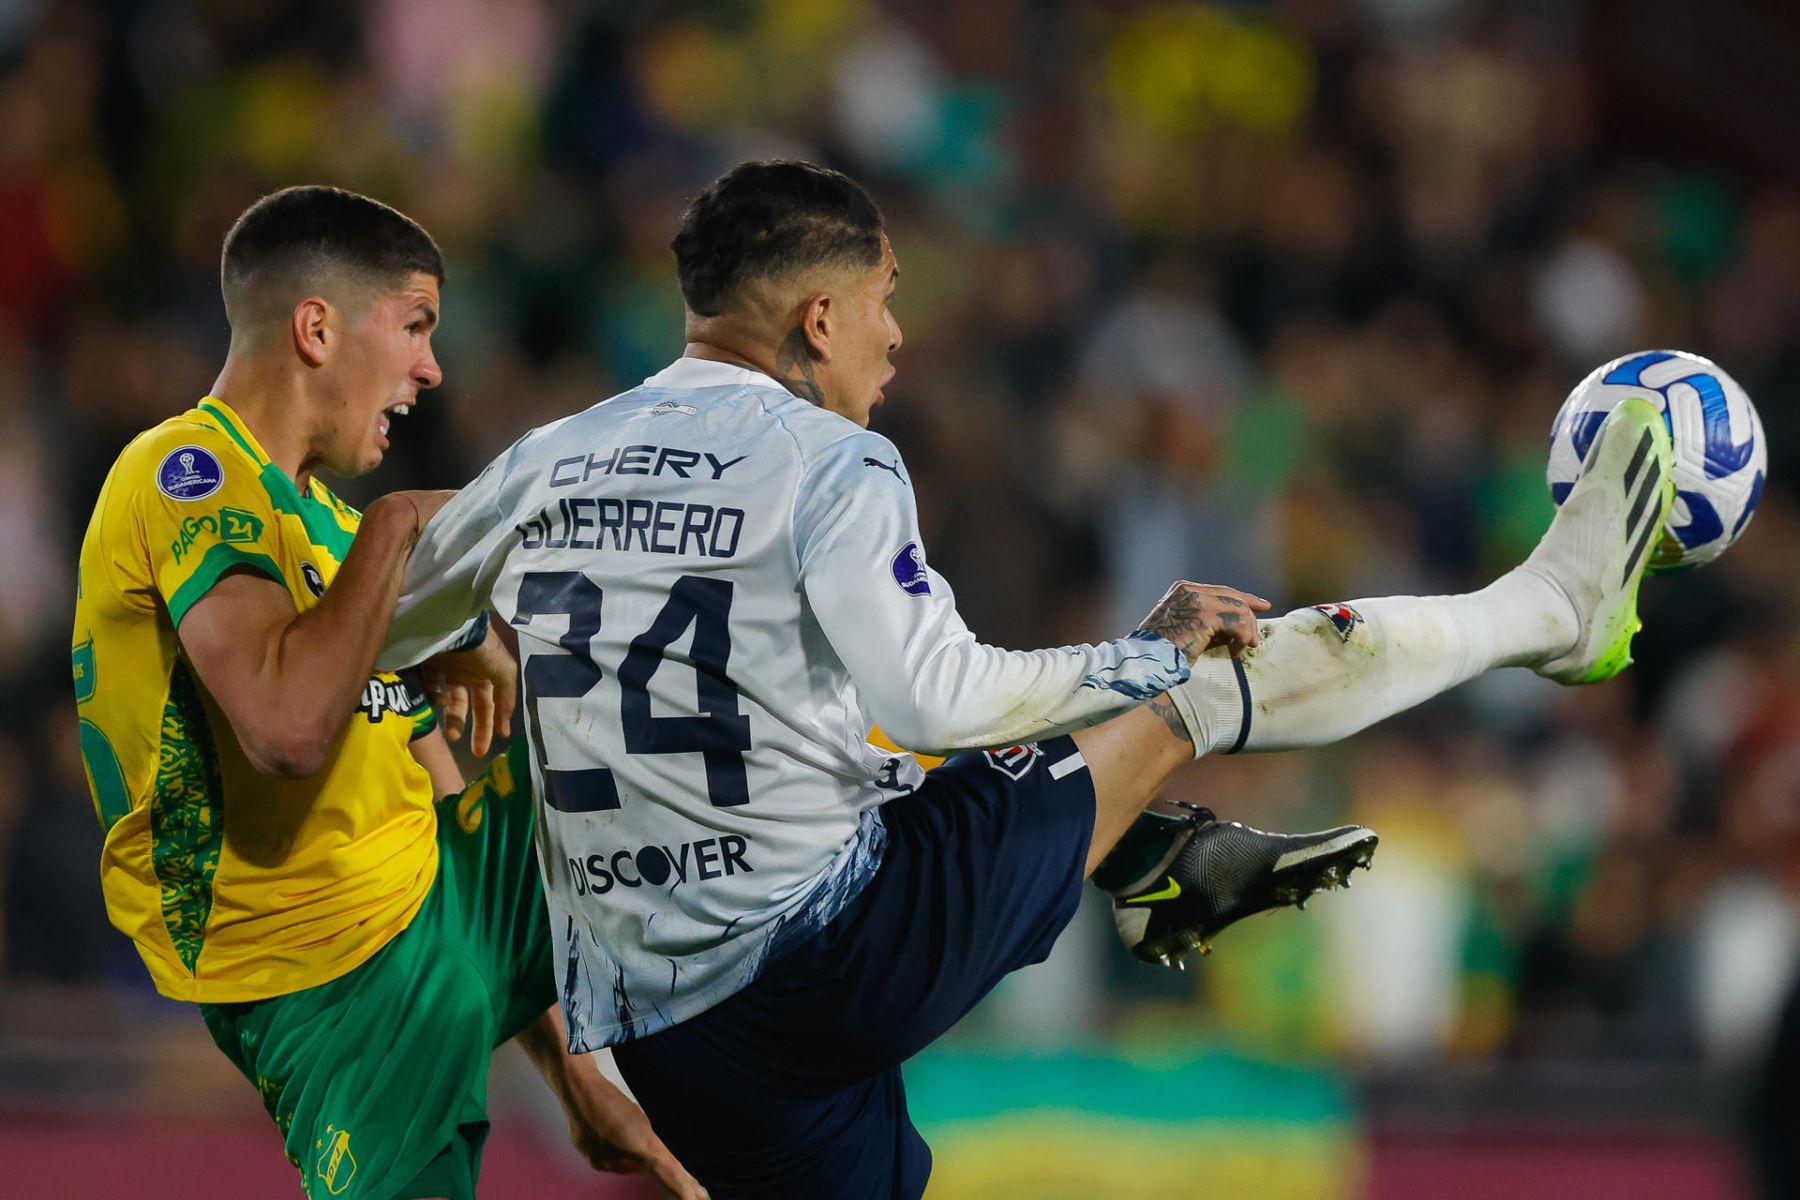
[(1721, 459)]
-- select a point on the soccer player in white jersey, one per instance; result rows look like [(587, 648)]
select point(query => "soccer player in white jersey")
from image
[(719, 584)]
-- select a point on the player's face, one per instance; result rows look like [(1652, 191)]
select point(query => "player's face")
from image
[(383, 362), (859, 368)]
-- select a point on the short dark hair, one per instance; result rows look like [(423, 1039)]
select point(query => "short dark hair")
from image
[(764, 219), (304, 230)]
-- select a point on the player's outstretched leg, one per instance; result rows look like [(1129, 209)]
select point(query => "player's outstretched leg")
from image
[(1569, 612), (1321, 674)]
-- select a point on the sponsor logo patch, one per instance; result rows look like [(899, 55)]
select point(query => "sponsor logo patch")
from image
[(189, 473), (390, 695), (655, 866), (315, 582), (1014, 762), (1343, 618), (236, 525), (908, 568), (192, 530)]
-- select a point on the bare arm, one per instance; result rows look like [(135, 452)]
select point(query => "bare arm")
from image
[(611, 1132), (433, 753), (285, 680)]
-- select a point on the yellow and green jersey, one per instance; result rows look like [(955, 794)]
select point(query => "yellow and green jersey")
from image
[(234, 885)]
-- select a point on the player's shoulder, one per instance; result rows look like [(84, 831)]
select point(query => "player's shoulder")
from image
[(549, 438), (189, 428), (824, 439), (185, 458), (846, 452)]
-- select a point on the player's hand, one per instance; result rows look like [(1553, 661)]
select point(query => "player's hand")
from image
[(474, 690), (613, 1134), (1199, 616)]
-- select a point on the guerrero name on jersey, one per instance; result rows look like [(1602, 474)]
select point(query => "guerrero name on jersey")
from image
[(233, 885), (718, 589)]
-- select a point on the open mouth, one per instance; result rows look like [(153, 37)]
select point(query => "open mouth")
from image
[(384, 422)]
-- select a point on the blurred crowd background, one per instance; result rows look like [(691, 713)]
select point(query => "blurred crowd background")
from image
[(1282, 295)]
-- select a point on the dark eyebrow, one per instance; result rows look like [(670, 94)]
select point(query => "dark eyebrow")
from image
[(431, 317)]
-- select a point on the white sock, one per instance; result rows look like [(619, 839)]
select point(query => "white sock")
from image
[(1321, 674)]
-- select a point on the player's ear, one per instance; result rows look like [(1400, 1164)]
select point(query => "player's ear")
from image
[(308, 328), (816, 326)]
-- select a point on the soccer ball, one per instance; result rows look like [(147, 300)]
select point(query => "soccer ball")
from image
[(1721, 459)]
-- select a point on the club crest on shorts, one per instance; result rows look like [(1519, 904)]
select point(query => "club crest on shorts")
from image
[(189, 473), (1343, 618), (336, 1166), (1014, 762), (909, 570), (315, 582)]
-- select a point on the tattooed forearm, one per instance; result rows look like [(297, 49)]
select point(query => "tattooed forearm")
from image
[(792, 356), (1164, 708)]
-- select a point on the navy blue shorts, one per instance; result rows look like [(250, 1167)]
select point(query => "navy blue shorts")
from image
[(791, 1088)]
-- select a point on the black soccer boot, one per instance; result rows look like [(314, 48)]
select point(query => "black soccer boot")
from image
[(1176, 881)]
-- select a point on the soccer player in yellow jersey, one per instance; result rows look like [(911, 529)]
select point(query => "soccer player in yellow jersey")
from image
[(285, 839)]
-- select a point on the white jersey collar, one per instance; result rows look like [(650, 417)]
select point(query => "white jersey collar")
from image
[(706, 373)]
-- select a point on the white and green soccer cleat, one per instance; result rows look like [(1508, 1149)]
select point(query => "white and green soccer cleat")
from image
[(1597, 549)]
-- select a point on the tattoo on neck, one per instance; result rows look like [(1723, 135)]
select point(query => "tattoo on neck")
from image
[(792, 356)]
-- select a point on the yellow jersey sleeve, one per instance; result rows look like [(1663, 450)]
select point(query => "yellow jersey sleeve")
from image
[(201, 512)]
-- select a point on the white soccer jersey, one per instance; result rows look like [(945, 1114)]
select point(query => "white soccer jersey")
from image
[(718, 588)]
